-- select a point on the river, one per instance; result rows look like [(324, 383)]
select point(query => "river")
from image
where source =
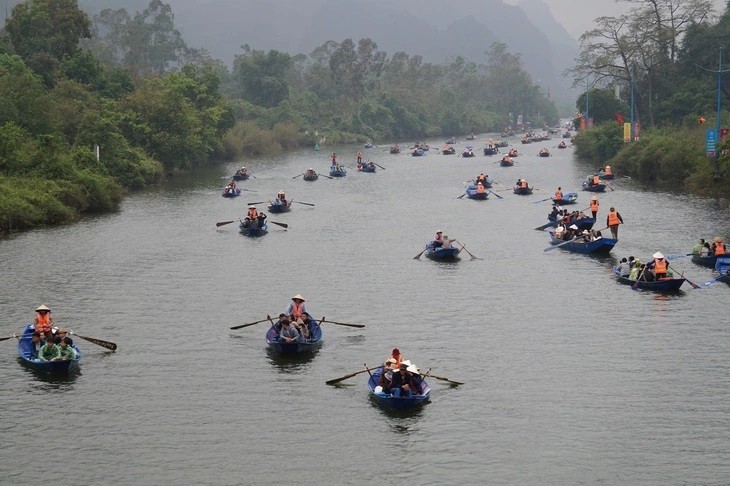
[(570, 378)]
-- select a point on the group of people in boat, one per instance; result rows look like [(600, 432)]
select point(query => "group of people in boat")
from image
[(594, 180), (544, 152), (309, 173), (567, 233), (230, 188), (47, 342), (562, 145), (522, 184), (361, 165), (440, 240), (656, 269), (336, 165), (705, 248), (254, 219), (400, 378), (562, 215), (295, 324), (242, 173)]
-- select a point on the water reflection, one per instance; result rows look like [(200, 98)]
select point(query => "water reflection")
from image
[(293, 363)]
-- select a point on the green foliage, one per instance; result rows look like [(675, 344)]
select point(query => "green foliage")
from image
[(261, 78), (600, 143), (602, 105), (23, 99)]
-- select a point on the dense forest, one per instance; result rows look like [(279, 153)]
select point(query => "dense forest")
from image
[(669, 52)]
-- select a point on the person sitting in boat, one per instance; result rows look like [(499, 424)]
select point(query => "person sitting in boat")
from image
[(718, 247), (402, 384), (507, 159), (310, 173), (261, 219), (481, 178), (705, 251), (559, 193), (386, 377), (65, 350), (594, 181), (624, 268), (480, 188), (251, 216), (277, 325), (438, 240), (61, 333), (43, 320), (596, 235), (636, 270), (571, 232), (512, 153), (288, 333), (231, 187), (309, 322), (359, 158), (302, 329), (521, 183), (446, 243), (34, 345), (608, 171), (490, 143), (49, 351), (395, 358), (282, 197), (371, 165), (296, 307), (658, 266), (334, 159), (544, 150), (696, 249), (562, 145)]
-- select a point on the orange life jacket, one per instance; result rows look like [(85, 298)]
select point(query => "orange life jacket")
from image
[(297, 309), (558, 195), (720, 248), (596, 180), (660, 266), (43, 323), (252, 214), (594, 205), (613, 218)]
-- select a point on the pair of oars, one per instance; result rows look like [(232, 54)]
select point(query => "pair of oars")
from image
[(100, 342), (268, 318), (350, 375), (221, 223)]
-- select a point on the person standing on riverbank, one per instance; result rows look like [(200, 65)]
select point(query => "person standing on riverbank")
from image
[(612, 221)]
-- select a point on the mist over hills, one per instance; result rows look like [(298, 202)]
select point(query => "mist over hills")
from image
[(434, 29)]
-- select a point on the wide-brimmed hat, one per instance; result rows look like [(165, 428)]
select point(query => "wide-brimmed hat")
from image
[(594, 198), (412, 368), (439, 231), (657, 255), (573, 227), (298, 297), (252, 207), (281, 192), (43, 307), (717, 239)]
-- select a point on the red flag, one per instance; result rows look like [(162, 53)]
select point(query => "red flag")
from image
[(619, 118)]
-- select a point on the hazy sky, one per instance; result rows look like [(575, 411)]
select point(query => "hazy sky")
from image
[(577, 15)]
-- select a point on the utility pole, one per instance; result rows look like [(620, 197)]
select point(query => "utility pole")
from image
[(719, 73)]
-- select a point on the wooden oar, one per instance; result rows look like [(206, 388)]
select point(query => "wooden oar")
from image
[(455, 383), (379, 166), (611, 187), (307, 204), (343, 323), (221, 223), (635, 285), (542, 200), (7, 337), (99, 342), (462, 196), (694, 285), (677, 256), (342, 378), (300, 175), (498, 196), (563, 243), (255, 203), (328, 177), (470, 254), (283, 225), (251, 323), (419, 255)]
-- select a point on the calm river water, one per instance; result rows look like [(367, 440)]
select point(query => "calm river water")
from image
[(570, 378)]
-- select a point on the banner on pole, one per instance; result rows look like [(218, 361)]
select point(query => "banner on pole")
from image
[(711, 142), (627, 132)]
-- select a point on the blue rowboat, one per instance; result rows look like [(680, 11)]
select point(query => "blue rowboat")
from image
[(389, 402), (338, 172), (448, 151), (241, 176), (417, 152), (468, 153), (254, 229), (593, 188), (706, 261), (491, 150), (606, 177), (279, 207), (310, 176), (366, 167), (394, 150), (301, 347), (522, 191), (487, 183), (506, 163), (228, 192), (439, 253), (544, 154), (471, 193), (367, 145), (601, 245), (663, 285), (569, 198), (723, 269), (48, 367)]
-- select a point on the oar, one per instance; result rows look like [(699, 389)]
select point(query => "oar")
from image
[(342, 378), (328, 177), (563, 243), (299, 202), (694, 285), (498, 196), (540, 228), (461, 196), (255, 203), (251, 323), (635, 285), (707, 284), (542, 200), (379, 166), (455, 383), (6, 338), (221, 223), (677, 256), (419, 255), (99, 342), (470, 254), (343, 323), (300, 175), (283, 225)]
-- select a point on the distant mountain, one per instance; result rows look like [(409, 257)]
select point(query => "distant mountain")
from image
[(434, 29)]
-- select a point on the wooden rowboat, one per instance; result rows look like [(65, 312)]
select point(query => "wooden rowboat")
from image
[(390, 402), (662, 285), (59, 367), (595, 247), (300, 347), (254, 229), (277, 206)]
